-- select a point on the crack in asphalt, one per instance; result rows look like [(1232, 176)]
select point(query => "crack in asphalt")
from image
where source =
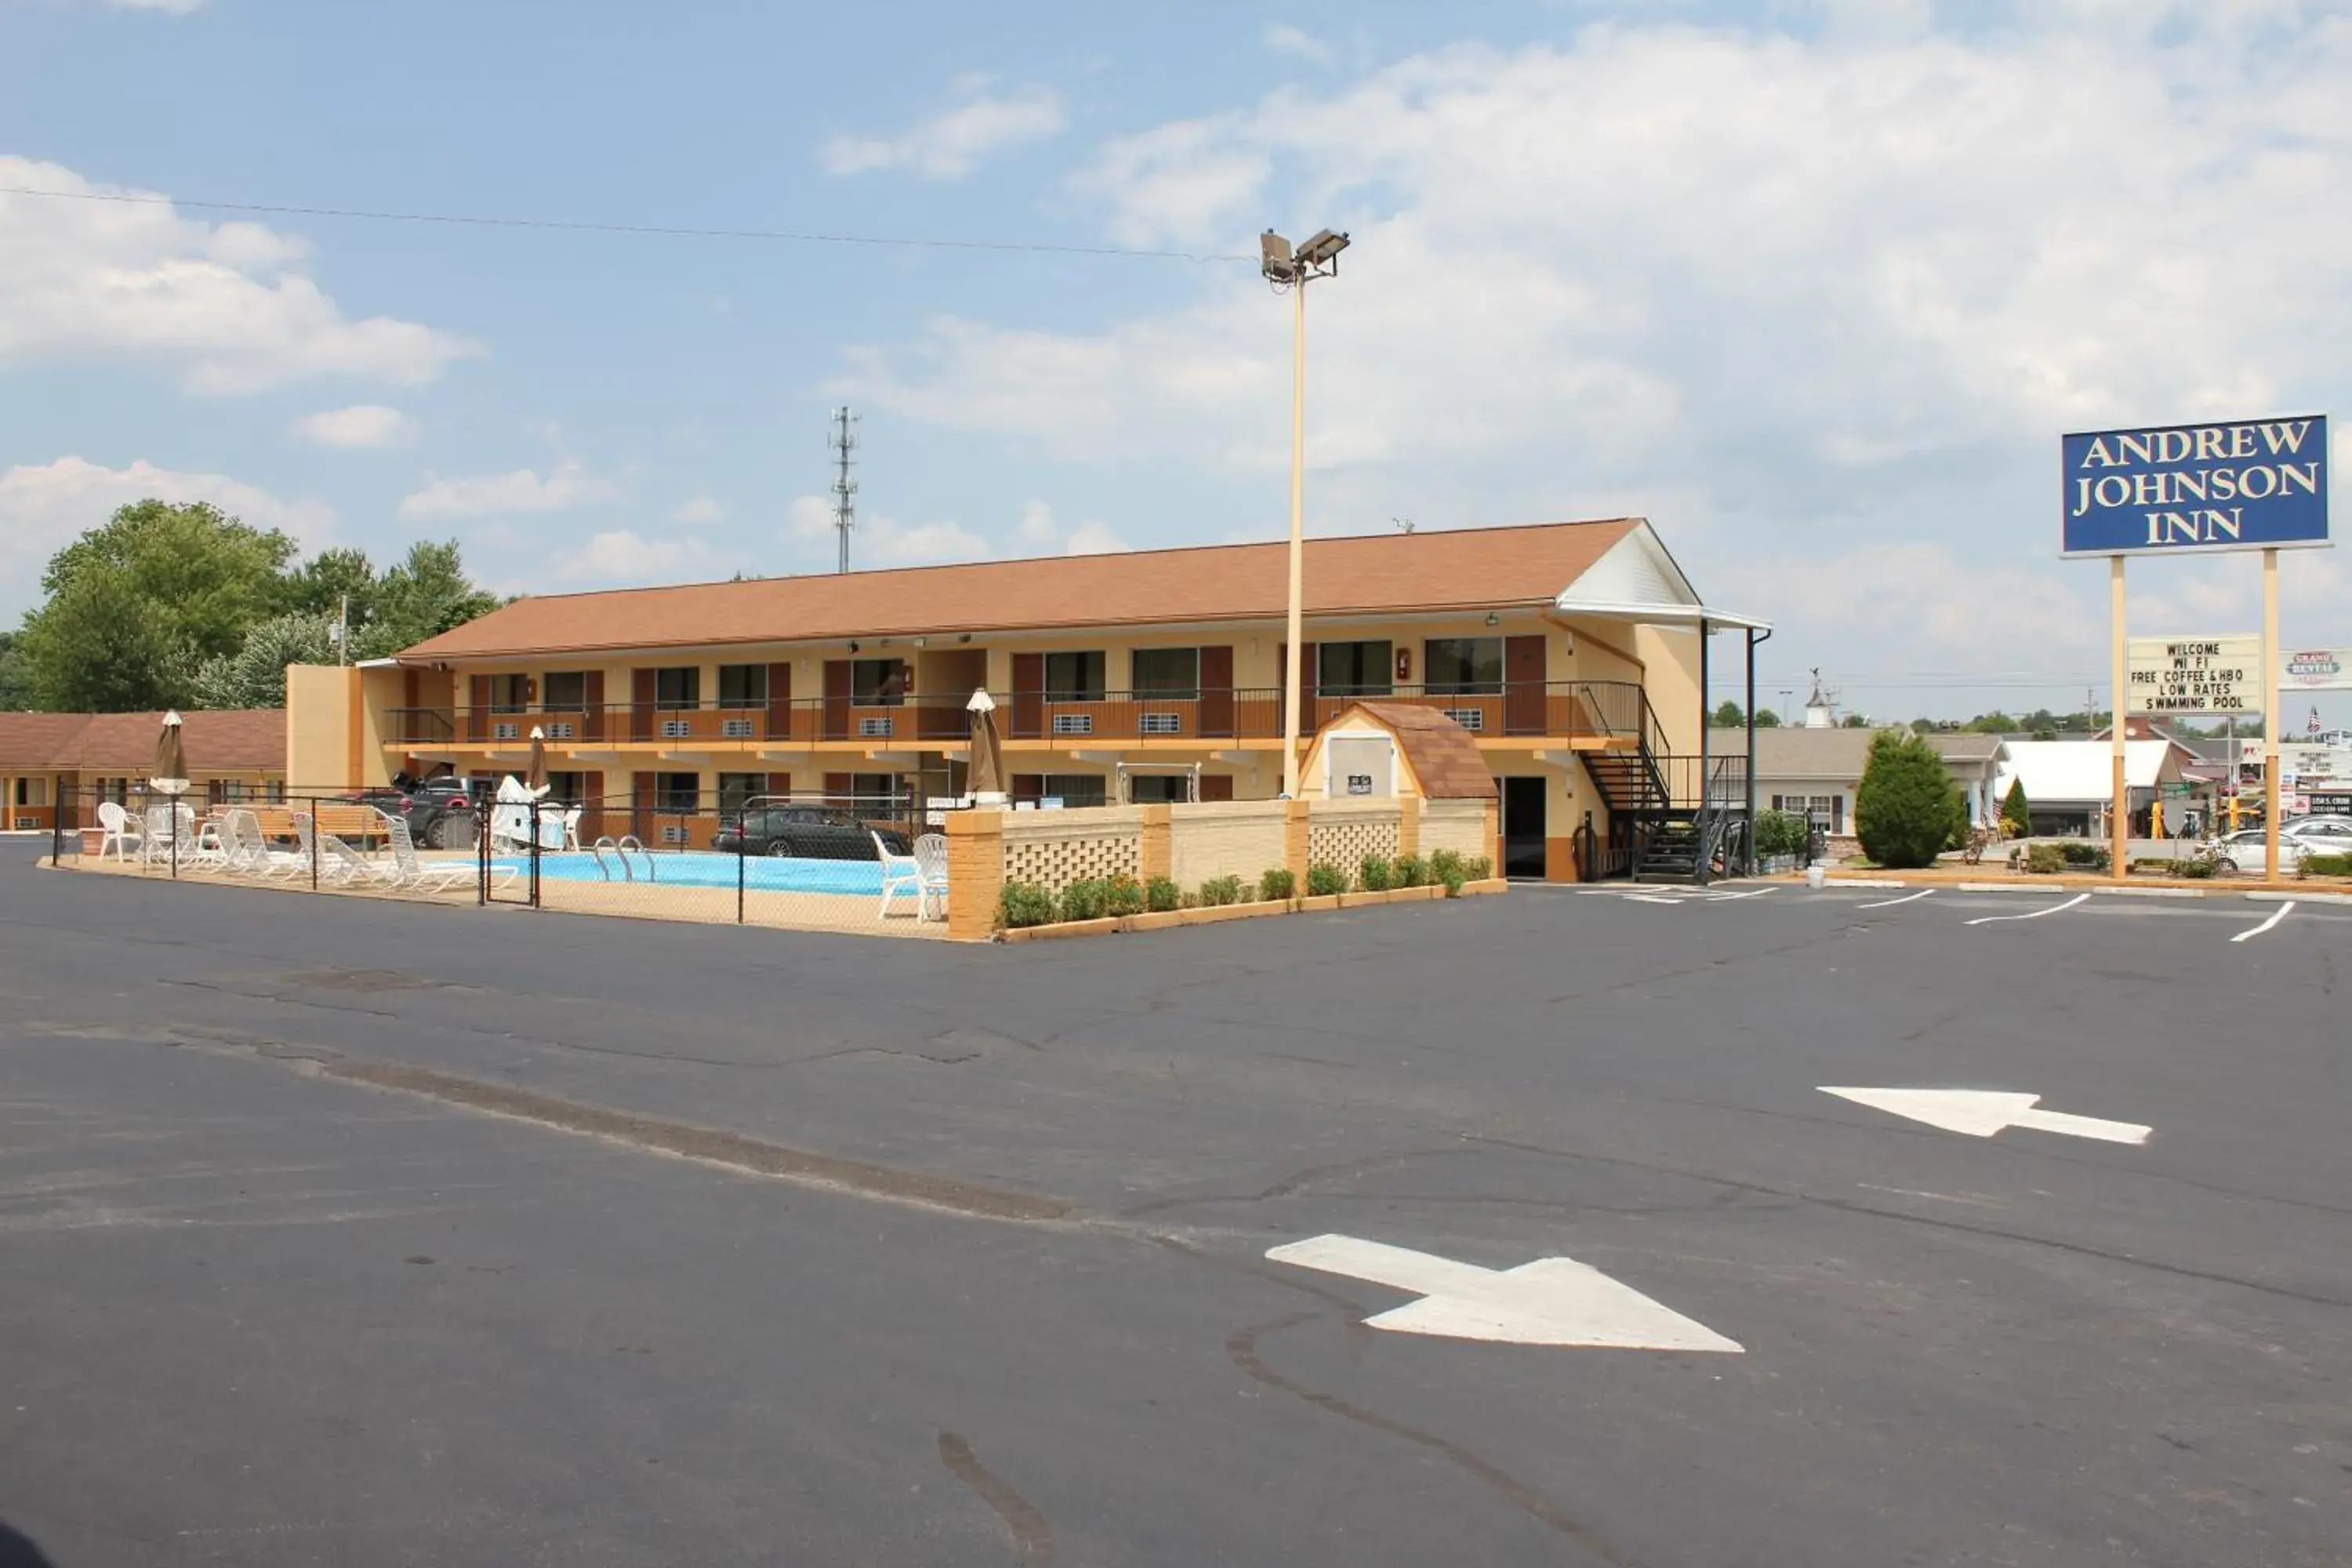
[(1033, 1537)]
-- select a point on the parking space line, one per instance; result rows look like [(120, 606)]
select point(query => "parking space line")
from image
[(1906, 898), (2031, 914), (1748, 893), (1649, 899), (2284, 911)]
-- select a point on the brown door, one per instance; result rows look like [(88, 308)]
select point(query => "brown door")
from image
[(641, 803), (591, 807), (477, 708), (641, 704), (1028, 698), (1217, 691), (1030, 787), (838, 788), (780, 785), (592, 698), (1216, 786), (780, 701), (838, 683), (1523, 686)]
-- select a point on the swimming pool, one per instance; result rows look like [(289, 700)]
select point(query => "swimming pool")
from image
[(701, 868)]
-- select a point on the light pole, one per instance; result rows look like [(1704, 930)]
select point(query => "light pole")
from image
[(1286, 268)]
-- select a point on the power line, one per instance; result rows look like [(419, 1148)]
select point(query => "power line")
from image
[(673, 231)]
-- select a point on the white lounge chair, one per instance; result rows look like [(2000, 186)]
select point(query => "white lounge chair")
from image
[(347, 868), (247, 853), (923, 873), (122, 835), (414, 876)]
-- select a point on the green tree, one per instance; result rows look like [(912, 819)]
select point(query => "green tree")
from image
[(426, 595), (16, 685), (2015, 814), (1905, 808), (255, 675), (1855, 721), (1993, 723), (1729, 716), (1767, 720), (98, 645), (321, 585)]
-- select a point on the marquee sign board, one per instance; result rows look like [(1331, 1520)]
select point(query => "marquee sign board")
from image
[(2318, 669), (2195, 675), (2196, 490)]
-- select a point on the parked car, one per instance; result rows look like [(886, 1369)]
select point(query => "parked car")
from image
[(2246, 850), (805, 832), (442, 813)]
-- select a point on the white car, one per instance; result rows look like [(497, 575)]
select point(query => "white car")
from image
[(2245, 849)]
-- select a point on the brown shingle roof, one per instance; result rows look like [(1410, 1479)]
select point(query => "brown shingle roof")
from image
[(230, 740), (1443, 756), (1453, 569)]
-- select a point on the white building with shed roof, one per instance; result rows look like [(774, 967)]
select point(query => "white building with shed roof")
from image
[(2070, 785)]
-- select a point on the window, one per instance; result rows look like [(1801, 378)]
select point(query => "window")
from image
[(1463, 667), (509, 693), (742, 686), (567, 692), (736, 789), (877, 795), (566, 786), (878, 682), (1173, 673), (1158, 789), (32, 792), (1353, 668), (678, 792), (1078, 789), (1074, 677), (677, 687)]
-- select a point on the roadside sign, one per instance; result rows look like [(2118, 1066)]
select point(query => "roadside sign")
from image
[(2195, 675), (2318, 670), (2197, 490), (2176, 789), (2331, 802)]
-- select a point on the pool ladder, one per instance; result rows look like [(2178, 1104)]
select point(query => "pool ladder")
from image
[(620, 849)]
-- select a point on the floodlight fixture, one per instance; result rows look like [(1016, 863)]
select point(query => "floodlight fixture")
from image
[(1275, 258), (1322, 250)]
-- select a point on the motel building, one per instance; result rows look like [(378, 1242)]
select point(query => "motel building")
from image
[(1572, 652)]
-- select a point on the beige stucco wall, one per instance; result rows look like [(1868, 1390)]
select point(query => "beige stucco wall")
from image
[(319, 702), (1670, 661), (1456, 824), (1224, 838)]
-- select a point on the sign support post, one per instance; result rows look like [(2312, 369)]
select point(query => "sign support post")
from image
[(2271, 714), (2119, 810)]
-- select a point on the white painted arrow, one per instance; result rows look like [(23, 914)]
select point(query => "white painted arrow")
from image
[(1981, 1112), (1551, 1302)]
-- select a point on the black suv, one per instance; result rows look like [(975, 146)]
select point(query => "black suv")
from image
[(441, 812), (805, 832)]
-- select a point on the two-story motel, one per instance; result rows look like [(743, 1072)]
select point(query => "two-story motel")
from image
[(1573, 652)]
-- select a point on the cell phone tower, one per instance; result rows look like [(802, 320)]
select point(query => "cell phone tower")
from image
[(844, 442)]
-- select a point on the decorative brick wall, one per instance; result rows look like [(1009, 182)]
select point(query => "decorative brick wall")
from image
[(1342, 832), (1051, 849)]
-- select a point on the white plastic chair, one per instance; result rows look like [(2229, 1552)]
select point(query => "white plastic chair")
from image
[(570, 838), (923, 873), (348, 868), (414, 876), (122, 835)]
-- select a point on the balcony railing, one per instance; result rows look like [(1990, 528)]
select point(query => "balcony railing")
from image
[(1567, 710)]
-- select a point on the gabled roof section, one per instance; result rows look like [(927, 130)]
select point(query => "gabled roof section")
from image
[(1637, 580), (1444, 759), (1438, 570), (215, 741)]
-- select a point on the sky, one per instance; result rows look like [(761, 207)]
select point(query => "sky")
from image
[(1814, 285)]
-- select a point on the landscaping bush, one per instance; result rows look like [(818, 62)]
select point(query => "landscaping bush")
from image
[(1188, 902), (1779, 833), (1022, 904), (1410, 871), (2083, 855), (2043, 859), (1480, 868), (1085, 900), (2015, 815), (1219, 892), (1277, 884), (1122, 895), (1324, 879), (1447, 865), (1907, 803), (1161, 895), (2327, 865), (1378, 873), (2202, 867)]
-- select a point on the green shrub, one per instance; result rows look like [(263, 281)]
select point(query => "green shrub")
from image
[(1219, 892), (1024, 904), (2015, 815), (2044, 859), (1277, 884), (1906, 805), (2327, 865), (1324, 879), (2082, 852), (1378, 873), (1481, 869), (1086, 899), (1779, 833), (1160, 894), (2202, 868), (1447, 865), (1188, 902), (1412, 871), (1122, 895)]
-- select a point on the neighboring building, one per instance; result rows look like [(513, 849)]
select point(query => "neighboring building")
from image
[(1817, 772), (1568, 650), (2070, 785), (80, 758)]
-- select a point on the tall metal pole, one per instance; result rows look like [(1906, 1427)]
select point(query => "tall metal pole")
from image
[(1296, 697), (2270, 715), (1751, 791), (2119, 676)]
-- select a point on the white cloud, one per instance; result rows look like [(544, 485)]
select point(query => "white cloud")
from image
[(362, 426), (231, 304), (882, 541), (1038, 532), (566, 486), (1092, 538), (1181, 182), (1283, 38), (698, 510), (953, 143), (623, 557), (44, 507), (169, 7)]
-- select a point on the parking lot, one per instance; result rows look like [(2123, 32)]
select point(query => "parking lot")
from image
[(346, 1232)]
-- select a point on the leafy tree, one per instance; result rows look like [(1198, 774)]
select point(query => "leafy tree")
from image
[(1923, 726), (1855, 721), (16, 686), (1767, 720), (426, 595), (1907, 807), (321, 585), (1993, 723), (2015, 814), (255, 675), (1729, 716), (98, 645)]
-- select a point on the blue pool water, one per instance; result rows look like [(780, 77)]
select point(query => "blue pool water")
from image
[(701, 868)]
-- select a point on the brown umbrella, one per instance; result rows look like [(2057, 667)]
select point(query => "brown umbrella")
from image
[(171, 775), (537, 778), (986, 774)]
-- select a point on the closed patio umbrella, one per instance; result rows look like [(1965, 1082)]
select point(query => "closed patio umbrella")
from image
[(985, 777), (171, 774), (537, 777)]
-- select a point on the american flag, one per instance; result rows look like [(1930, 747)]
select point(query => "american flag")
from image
[(2312, 727)]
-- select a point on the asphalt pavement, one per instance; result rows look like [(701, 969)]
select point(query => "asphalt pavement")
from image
[(353, 1233)]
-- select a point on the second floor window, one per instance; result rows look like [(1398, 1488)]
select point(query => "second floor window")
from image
[(1074, 676), (1169, 672), (677, 687), (878, 682), (1463, 667), (1353, 668), (567, 691), (742, 686), (509, 693)]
